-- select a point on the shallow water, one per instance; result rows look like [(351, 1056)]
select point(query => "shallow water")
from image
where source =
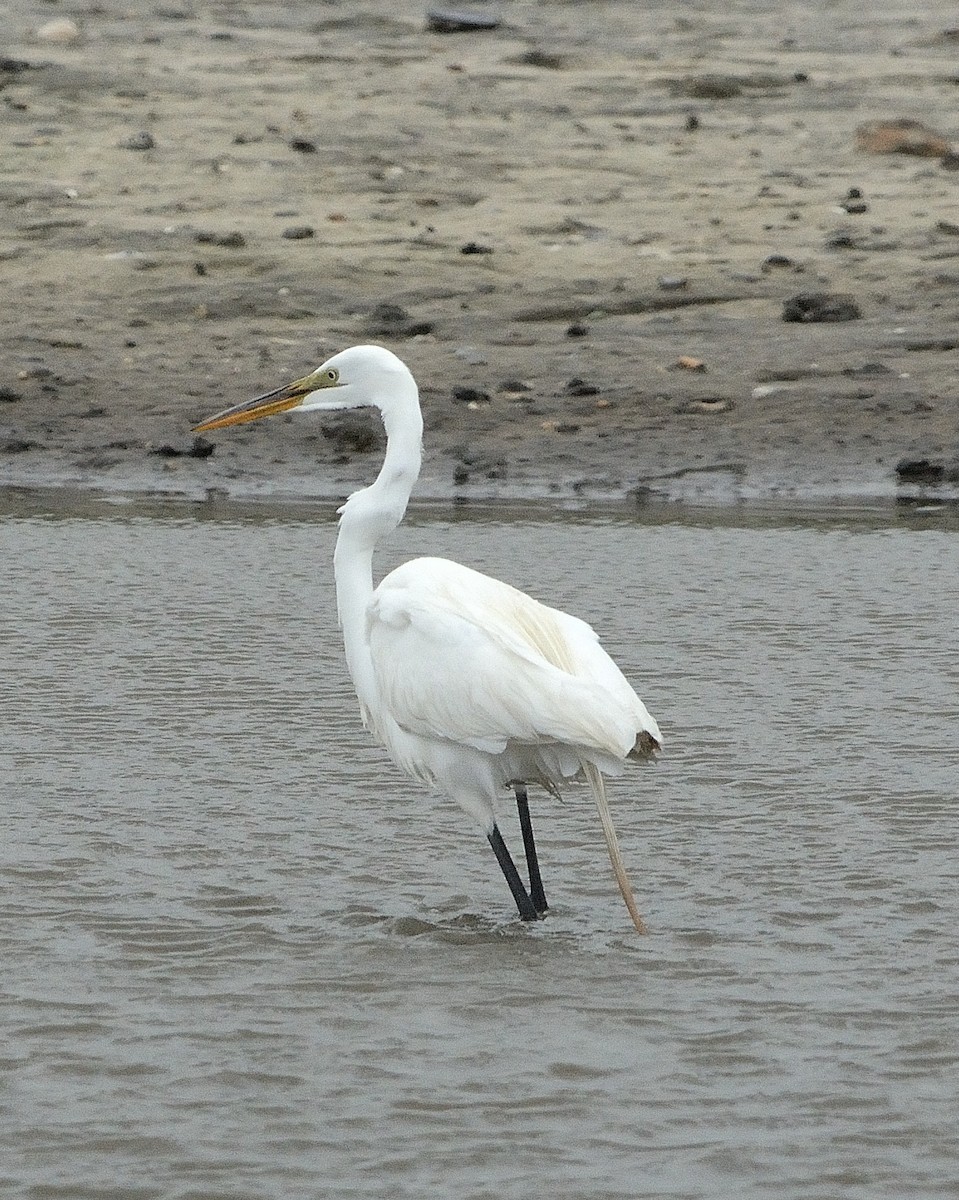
[(243, 958)]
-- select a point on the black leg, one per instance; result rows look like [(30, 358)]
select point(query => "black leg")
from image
[(526, 907), (536, 892)]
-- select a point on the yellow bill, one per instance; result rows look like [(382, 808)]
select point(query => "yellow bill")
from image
[(289, 396)]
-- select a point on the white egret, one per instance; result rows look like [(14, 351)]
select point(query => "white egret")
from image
[(472, 686)]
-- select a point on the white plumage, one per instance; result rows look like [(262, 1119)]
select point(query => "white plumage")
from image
[(460, 657), (470, 684)]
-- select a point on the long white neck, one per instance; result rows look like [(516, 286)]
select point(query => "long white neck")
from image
[(367, 517)]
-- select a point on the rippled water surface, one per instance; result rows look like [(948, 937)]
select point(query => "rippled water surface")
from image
[(241, 957)]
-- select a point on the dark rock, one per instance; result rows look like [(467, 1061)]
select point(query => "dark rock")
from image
[(475, 248), (468, 395), (199, 448), (867, 370), (9, 396), (579, 387), (854, 203), (390, 320), (919, 470), (936, 345), (577, 329), (540, 58), (298, 233), (821, 306), (140, 141), (707, 87), (302, 145), (386, 315), (353, 433), (841, 239), (231, 241), (459, 20), (773, 262), (717, 86)]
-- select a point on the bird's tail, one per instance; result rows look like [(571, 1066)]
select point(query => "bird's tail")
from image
[(595, 779)]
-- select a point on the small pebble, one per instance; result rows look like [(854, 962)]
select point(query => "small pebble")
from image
[(854, 203), (140, 141), (672, 283), (63, 31), (711, 404), (297, 233), (475, 248), (577, 329)]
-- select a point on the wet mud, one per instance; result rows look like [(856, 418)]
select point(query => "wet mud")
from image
[(628, 251)]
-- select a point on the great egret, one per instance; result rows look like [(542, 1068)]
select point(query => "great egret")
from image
[(471, 685)]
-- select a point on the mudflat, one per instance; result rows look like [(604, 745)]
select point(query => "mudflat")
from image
[(582, 229)]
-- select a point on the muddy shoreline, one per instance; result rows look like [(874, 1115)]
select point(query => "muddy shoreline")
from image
[(580, 229)]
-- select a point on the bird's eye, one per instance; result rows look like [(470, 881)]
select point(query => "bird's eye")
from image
[(332, 374)]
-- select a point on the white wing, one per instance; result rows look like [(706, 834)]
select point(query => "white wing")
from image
[(464, 658)]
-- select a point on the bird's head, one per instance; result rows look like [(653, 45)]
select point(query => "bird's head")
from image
[(354, 378)]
